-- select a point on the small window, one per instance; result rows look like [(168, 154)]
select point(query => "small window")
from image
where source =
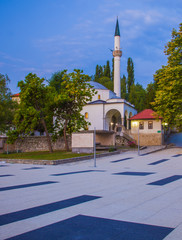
[(150, 124), (99, 96), (86, 115), (141, 125)]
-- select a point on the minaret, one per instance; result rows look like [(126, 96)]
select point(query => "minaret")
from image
[(117, 53)]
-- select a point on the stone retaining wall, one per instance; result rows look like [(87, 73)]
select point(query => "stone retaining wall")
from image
[(33, 144), (153, 139)]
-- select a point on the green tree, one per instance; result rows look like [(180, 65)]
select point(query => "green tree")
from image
[(150, 94), (130, 70), (74, 93), (103, 76), (124, 88), (56, 80), (97, 74), (168, 100), (107, 70), (101, 71), (7, 106), (112, 72), (35, 108), (105, 81), (137, 97)]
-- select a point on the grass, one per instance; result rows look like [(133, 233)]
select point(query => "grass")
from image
[(42, 155)]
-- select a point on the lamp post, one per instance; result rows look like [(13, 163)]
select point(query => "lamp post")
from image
[(94, 147), (138, 141), (136, 124)]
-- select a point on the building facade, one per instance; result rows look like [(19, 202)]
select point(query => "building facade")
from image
[(147, 129), (107, 110)]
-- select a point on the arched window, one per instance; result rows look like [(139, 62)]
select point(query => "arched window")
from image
[(86, 115)]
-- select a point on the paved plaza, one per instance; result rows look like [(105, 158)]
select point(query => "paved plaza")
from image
[(125, 196)]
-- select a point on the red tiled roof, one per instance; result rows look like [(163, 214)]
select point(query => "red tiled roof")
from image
[(15, 95), (145, 114)]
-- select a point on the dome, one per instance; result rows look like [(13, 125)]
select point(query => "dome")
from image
[(97, 85)]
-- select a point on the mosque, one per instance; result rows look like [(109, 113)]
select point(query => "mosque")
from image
[(107, 110), (108, 114)]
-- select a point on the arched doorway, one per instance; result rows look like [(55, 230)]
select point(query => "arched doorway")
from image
[(113, 120), (125, 119), (130, 115)]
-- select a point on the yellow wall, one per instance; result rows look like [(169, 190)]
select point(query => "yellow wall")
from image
[(147, 137)]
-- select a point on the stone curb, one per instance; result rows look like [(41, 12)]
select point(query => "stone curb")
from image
[(57, 162), (153, 151), (160, 149)]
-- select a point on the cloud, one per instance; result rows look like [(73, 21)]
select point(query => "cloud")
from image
[(146, 17), (1, 64), (28, 69), (83, 24), (11, 58)]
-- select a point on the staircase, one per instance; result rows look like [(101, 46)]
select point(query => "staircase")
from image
[(123, 139)]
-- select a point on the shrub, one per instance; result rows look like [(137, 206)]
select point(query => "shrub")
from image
[(132, 144)]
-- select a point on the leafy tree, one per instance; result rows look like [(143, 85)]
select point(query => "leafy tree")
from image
[(105, 81), (124, 87), (137, 97), (7, 106), (56, 80), (103, 76), (101, 71), (168, 100), (130, 70), (74, 93), (35, 108), (150, 94), (98, 72), (112, 72), (107, 70)]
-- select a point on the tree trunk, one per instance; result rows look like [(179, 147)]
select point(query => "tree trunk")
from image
[(65, 138), (47, 135)]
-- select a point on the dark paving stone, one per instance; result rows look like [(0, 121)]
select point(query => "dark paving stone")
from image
[(177, 155), (144, 154), (32, 168), (134, 173), (120, 160), (4, 165), (36, 211), (83, 227), (158, 162), (7, 175), (166, 180), (69, 173), (26, 185)]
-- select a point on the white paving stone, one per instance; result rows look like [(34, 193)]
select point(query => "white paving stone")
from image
[(123, 197)]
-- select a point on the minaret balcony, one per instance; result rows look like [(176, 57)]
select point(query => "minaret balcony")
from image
[(117, 53)]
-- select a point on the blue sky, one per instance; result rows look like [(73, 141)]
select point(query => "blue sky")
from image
[(45, 36)]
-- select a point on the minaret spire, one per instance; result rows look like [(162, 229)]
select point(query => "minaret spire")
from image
[(117, 32), (117, 53)]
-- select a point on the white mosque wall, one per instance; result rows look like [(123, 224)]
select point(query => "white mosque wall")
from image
[(95, 115), (100, 115), (104, 95)]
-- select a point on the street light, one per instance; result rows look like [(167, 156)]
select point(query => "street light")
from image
[(94, 142), (136, 124)]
